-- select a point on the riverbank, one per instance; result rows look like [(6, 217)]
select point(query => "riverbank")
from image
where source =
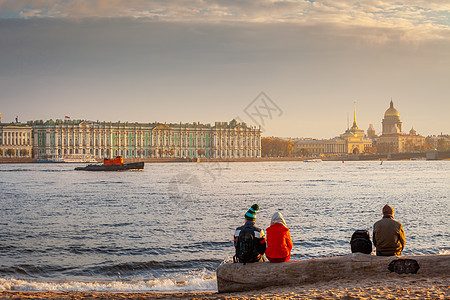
[(354, 276), (392, 286), (363, 157)]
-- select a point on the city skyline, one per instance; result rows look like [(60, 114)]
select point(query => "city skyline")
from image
[(67, 118), (206, 61)]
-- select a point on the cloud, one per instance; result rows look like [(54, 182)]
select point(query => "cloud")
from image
[(172, 71), (418, 19)]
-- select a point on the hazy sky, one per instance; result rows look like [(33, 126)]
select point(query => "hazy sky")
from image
[(207, 60)]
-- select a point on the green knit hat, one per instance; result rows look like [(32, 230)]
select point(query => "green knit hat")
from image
[(251, 213)]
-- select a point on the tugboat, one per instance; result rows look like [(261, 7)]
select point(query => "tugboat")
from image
[(115, 164)]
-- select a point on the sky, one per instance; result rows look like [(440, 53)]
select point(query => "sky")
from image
[(297, 68)]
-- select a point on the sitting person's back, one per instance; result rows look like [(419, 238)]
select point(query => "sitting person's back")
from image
[(249, 240), (279, 242), (388, 234)]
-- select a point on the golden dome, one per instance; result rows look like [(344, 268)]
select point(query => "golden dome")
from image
[(391, 111)]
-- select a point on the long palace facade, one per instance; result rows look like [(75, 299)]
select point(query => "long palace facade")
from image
[(144, 140)]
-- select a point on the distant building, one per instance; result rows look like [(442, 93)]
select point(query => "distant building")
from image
[(334, 146), (15, 140), (440, 142), (352, 141), (144, 140), (371, 132), (391, 121), (356, 140), (392, 140)]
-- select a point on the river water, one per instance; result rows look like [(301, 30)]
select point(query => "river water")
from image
[(167, 228)]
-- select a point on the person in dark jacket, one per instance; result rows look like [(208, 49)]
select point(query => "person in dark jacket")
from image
[(388, 234), (258, 244), (279, 242)]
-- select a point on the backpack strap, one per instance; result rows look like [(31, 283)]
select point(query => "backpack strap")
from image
[(236, 245)]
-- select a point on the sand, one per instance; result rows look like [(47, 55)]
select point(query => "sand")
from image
[(393, 286)]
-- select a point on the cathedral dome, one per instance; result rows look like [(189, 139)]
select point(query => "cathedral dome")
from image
[(391, 111)]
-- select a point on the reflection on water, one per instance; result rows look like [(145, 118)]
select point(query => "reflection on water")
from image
[(175, 220)]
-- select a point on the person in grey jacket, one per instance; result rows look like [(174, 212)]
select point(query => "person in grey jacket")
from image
[(388, 234)]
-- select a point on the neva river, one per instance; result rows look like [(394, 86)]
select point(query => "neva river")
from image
[(168, 227)]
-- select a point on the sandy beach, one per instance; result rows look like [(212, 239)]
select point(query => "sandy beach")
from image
[(392, 286)]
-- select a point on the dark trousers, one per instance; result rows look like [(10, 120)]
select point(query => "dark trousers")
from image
[(278, 260), (385, 253), (262, 258)]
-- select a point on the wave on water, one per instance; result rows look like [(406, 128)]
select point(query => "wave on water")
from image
[(186, 283), (255, 181), (444, 251), (129, 268), (34, 170), (101, 182), (17, 170)]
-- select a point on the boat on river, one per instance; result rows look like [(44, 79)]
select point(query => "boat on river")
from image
[(50, 159), (71, 158), (79, 158), (115, 164), (313, 160)]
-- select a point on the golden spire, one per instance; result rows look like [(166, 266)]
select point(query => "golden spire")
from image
[(354, 116)]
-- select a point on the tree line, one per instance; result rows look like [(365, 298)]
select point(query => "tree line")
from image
[(276, 147)]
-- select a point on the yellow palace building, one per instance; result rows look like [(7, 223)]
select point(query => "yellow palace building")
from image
[(352, 141)]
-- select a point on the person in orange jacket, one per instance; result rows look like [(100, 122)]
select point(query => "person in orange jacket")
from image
[(279, 242)]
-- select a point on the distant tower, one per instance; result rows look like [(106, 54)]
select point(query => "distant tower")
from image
[(412, 131), (348, 122), (371, 132), (354, 127), (391, 122)]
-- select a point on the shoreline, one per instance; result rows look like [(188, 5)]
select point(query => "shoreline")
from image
[(392, 286), (384, 157), (432, 281)]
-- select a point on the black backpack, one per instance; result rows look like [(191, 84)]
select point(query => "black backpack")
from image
[(360, 242), (246, 245)]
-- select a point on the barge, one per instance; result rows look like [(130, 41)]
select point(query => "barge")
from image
[(115, 164)]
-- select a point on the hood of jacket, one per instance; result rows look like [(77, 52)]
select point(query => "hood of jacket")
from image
[(278, 218)]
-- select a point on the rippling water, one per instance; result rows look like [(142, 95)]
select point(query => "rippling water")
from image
[(169, 227)]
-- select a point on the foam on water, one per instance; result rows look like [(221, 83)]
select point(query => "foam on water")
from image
[(182, 284), (444, 252)]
